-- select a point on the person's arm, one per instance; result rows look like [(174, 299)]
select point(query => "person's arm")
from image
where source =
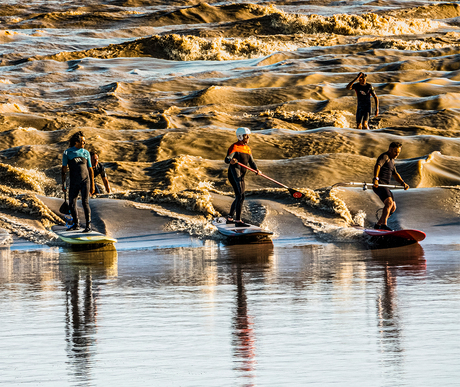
[(230, 159), (350, 85), (64, 170), (63, 177), (375, 180), (399, 179), (252, 164), (92, 188), (376, 100), (91, 179), (106, 184)]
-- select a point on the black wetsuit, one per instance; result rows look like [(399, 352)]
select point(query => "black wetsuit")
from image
[(387, 169), (364, 93), (236, 174), (78, 161), (99, 170)]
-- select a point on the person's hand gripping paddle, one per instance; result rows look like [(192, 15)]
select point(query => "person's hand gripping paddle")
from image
[(293, 192)]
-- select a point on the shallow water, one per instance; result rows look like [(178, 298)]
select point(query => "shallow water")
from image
[(231, 316)]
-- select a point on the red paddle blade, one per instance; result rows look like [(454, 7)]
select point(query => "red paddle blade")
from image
[(296, 194)]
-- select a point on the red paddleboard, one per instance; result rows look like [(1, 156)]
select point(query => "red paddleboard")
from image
[(410, 235)]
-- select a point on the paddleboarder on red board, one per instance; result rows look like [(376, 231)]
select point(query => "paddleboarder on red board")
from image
[(239, 152), (383, 171)]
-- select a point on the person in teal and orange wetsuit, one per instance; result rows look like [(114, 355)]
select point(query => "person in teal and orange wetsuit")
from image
[(77, 161), (239, 152)]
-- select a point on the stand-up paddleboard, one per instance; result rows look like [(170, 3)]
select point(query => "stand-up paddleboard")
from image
[(412, 235), (408, 235), (78, 237), (232, 231)]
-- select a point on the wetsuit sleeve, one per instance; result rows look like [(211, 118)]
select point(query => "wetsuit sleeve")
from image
[(230, 155), (252, 163), (103, 174), (65, 159)]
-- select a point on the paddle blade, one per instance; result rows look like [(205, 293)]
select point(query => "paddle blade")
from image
[(296, 194), (64, 209)]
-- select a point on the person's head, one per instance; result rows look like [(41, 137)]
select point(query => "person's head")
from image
[(94, 159), (78, 140), (362, 79), (243, 135), (394, 150)]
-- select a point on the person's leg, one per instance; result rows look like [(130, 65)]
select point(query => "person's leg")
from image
[(73, 196), (237, 190), (359, 118), (365, 118), (85, 203), (386, 196), (390, 207), (239, 202)]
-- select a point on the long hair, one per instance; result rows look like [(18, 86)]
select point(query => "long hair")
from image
[(76, 137)]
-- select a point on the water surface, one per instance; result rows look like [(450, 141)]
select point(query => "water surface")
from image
[(231, 315)]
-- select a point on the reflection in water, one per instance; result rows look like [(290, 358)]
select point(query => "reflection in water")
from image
[(82, 273), (37, 268), (242, 259), (192, 316), (402, 261)]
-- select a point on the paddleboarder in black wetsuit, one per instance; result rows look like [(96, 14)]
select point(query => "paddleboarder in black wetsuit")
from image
[(99, 169), (239, 152), (383, 171), (77, 161), (363, 91)]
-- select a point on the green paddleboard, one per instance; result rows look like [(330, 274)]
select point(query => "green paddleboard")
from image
[(78, 237)]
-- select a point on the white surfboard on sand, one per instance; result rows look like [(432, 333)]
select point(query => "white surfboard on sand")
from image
[(78, 237), (232, 231)]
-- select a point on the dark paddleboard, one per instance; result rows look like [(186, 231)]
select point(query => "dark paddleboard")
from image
[(82, 238), (230, 230), (409, 235)]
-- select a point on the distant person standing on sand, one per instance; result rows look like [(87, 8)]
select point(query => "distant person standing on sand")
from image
[(383, 171), (78, 161), (239, 152), (363, 91), (99, 169)]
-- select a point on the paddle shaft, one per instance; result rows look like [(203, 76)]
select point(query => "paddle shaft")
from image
[(261, 174), (293, 192), (371, 185)]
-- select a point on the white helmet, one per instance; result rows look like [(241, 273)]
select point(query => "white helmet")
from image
[(240, 132)]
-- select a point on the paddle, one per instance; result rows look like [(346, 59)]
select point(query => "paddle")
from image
[(65, 209), (293, 192), (365, 185)]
